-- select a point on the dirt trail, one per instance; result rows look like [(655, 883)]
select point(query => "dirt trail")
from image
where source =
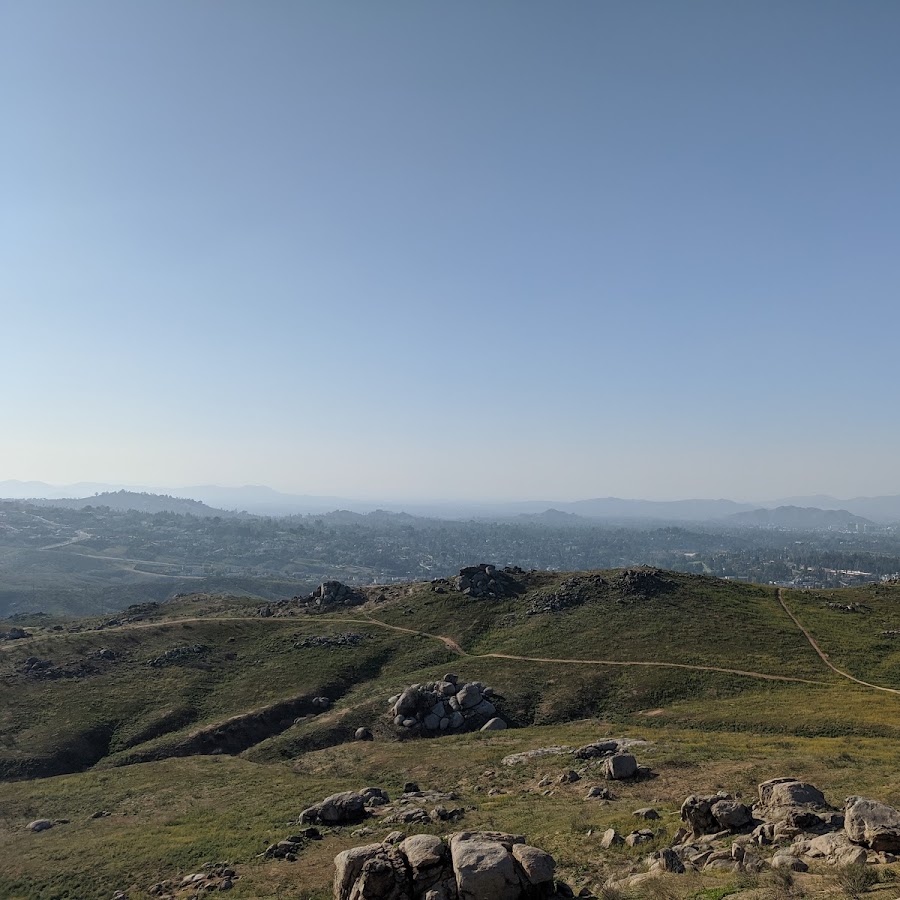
[(824, 656), (456, 648), (649, 664), (446, 641)]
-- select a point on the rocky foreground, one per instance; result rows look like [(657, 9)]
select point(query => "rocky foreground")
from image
[(790, 827)]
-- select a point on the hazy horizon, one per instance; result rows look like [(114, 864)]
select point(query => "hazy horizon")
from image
[(506, 251), (174, 489)]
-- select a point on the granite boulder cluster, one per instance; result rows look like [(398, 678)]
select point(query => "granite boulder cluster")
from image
[(445, 707), (470, 865)]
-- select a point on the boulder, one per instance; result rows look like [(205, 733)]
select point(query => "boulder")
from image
[(790, 792), (667, 860), (731, 815), (426, 855), (636, 838), (786, 861), (835, 848), (364, 734), (795, 807), (611, 838), (696, 811), (339, 809), (39, 825), (495, 724), (619, 766), (873, 824), (597, 749), (646, 812), (348, 866), (484, 870), (538, 865), (468, 696)]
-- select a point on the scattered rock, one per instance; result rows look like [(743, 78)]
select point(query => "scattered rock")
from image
[(599, 793), (515, 759), (646, 812), (611, 838), (14, 634), (619, 766), (363, 734), (599, 749), (636, 838), (39, 825)]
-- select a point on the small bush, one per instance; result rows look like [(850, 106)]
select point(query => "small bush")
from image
[(856, 879)]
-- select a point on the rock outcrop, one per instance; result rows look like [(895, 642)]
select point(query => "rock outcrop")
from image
[(344, 808), (472, 866), (445, 707), (792, 807), (486, 582), (572, 592), (333, 593)]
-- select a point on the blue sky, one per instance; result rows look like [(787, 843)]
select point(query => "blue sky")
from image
[(459, 250)]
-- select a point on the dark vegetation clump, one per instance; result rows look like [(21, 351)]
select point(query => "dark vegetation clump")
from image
[(178, 655), (346, 639)]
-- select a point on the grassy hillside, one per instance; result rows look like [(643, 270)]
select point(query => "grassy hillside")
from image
[(215, 701)]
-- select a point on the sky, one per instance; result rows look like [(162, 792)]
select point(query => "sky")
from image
[(497, 250)]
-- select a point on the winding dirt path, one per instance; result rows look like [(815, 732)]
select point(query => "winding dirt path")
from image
[(649, 664), (454, 647), (824, 656)]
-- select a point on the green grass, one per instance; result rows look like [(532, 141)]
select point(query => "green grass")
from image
[(708, 730)]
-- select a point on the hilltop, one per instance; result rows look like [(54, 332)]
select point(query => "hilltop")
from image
[(137, 501), (800, 517), (232, 697)]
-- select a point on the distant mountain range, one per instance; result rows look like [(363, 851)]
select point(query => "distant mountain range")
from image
[(262, 500), (799, 517)]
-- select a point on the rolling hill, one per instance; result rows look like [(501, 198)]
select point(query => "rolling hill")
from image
[(193, 721)]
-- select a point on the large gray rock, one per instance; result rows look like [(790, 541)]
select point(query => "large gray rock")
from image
[(469, 696), (622, 765), (426, 856), (790, 792), (39, 825), (484, 870), (611, 838), (795, 807), (348, 866), (731, 815), (339, 809), (835, 848), (538, 865), (495, 724), (873, 824)]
